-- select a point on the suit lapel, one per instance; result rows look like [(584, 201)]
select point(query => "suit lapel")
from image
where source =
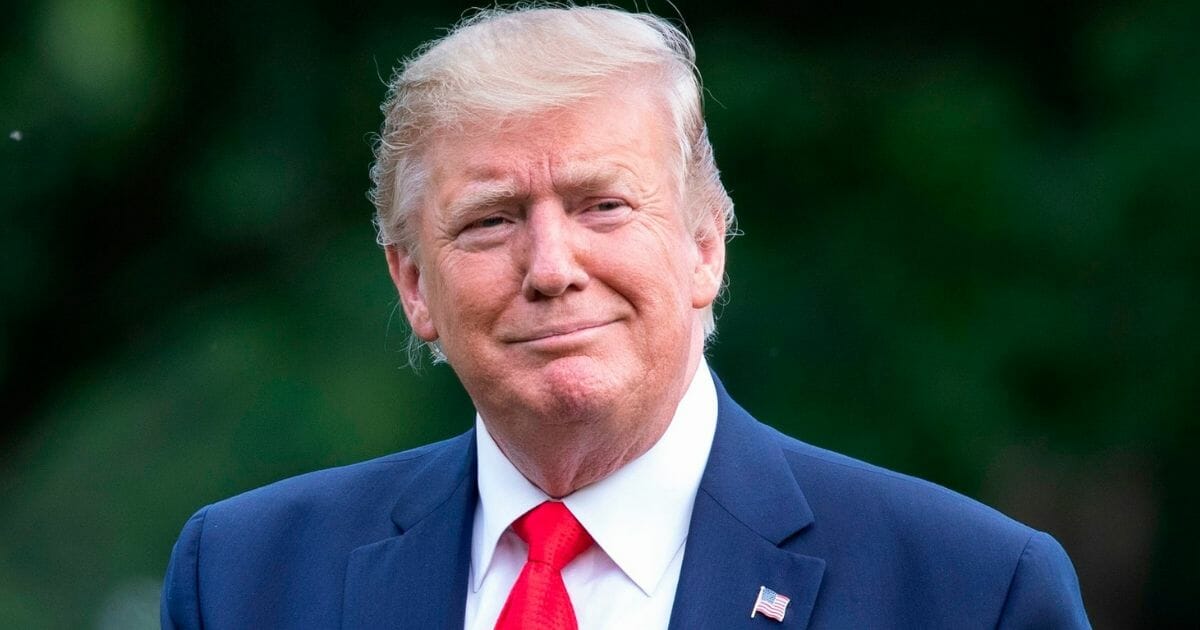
[(418, 579), (748, 505)]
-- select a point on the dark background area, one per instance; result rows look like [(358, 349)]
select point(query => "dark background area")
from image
[(969, 254)]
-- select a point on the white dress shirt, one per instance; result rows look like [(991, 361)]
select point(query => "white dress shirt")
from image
[(638, 517)]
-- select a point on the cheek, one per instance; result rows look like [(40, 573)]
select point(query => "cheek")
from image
[(658, 287), (469, 286)]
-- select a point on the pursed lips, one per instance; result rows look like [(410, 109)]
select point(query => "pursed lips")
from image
[(558, 330)]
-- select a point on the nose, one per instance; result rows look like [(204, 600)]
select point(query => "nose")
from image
[(553, 266)]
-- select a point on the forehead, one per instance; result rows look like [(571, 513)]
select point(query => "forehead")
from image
[(609, 138)]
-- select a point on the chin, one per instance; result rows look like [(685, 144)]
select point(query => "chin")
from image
[(578, 388)]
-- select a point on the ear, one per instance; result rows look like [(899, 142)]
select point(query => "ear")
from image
[(710, 263), (406, 275)]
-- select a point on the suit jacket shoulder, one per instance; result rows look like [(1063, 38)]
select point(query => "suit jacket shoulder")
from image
[(280, 556), (856, 545)]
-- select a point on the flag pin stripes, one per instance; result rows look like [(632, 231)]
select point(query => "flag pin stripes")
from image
[(770, 604)]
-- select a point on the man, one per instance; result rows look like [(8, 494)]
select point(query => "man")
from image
[(554, 224)]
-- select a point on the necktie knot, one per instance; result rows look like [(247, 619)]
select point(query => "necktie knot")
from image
[(553, 534)]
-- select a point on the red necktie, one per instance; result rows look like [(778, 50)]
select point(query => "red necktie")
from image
[(538, 599)]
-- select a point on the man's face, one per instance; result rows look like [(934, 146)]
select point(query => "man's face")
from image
[(555, 266)]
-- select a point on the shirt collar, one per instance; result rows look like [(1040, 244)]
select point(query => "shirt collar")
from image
[(656, 491)]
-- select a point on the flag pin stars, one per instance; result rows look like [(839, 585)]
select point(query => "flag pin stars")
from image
[(770, 604)]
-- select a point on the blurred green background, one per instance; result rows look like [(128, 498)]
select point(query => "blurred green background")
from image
[(970, 254)]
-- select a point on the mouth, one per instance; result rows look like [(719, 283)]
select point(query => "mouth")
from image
[(560, 332)]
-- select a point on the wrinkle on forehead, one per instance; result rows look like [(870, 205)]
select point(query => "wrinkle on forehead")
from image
[(508, 161)]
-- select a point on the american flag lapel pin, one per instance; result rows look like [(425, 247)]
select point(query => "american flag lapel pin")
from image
[(770, 604)]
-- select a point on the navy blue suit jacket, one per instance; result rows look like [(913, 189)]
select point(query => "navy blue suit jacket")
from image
[(386, 544)]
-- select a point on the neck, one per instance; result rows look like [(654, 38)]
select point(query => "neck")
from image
[(559, 475)]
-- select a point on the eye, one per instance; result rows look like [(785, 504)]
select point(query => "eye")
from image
[(605, 213), (609, 205), (489, 229), (487, 222)]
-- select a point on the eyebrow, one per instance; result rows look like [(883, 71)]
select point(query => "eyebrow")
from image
[(589, 178), (577, 178), (479, 196)]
